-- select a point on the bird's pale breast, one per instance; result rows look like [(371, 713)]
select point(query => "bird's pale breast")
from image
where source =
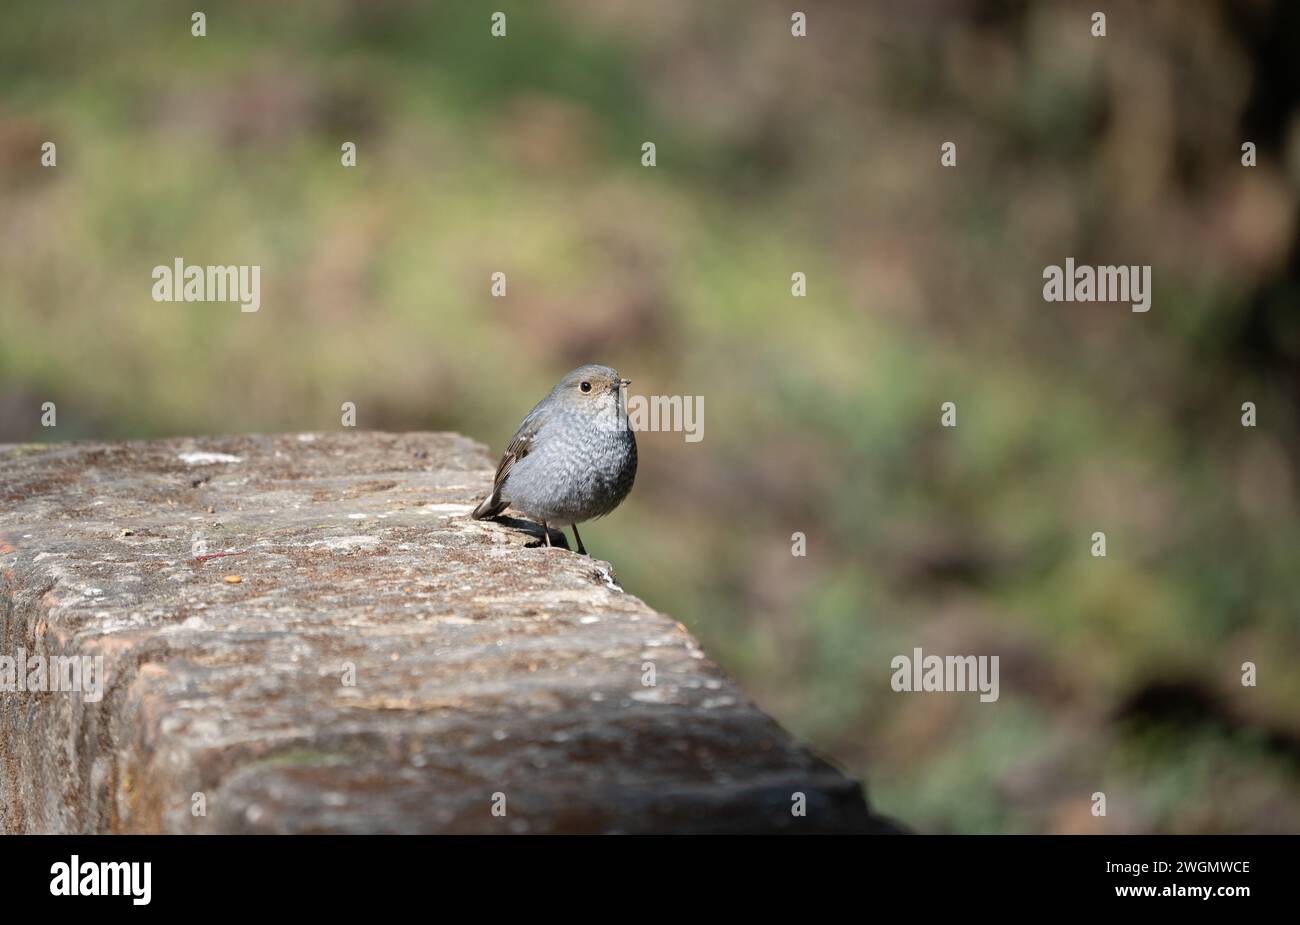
[(578, 468)]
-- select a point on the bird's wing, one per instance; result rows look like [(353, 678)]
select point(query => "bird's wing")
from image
[(520, 445)]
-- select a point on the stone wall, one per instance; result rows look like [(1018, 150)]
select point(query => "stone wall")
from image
[(306, 633)]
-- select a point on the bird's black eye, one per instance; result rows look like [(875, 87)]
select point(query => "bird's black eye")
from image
[(586, 387)]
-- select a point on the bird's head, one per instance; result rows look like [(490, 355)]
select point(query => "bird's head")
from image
[(592, 388)]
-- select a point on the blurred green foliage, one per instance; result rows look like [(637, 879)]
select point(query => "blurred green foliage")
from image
[(775, 154)]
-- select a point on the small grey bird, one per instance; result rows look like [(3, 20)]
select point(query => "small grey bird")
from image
[(572, 459)]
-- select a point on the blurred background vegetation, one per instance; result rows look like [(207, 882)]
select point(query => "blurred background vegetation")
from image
[(775, 154)]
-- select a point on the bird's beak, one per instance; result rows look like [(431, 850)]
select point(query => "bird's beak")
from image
[(625, 382)]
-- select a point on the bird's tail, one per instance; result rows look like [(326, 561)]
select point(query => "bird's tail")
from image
[(490, 506)]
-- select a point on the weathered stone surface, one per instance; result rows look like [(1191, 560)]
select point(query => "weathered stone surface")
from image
[(483, 664)]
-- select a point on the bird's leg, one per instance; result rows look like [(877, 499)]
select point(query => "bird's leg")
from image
[(546, 533), (581, 549)]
